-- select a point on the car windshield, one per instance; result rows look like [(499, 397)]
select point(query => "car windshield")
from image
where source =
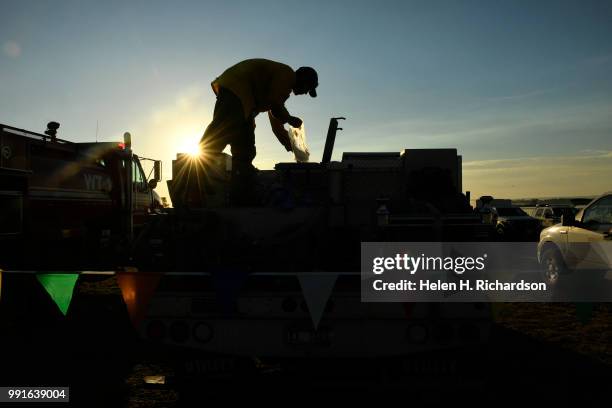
[(511, 211)]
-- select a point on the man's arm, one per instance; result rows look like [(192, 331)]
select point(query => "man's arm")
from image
[(280, 113), (280, 91), (279, 131)]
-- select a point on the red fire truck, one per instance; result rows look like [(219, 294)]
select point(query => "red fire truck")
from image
[(66, 204)]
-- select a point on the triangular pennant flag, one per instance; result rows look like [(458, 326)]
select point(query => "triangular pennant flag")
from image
[(227, 284), (137, 289), (584, 312), (60, 287), (316, 290)]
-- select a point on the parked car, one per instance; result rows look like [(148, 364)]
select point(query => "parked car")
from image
[(580, 241), (514, 223)]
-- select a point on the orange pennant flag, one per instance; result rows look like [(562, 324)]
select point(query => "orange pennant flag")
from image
[(137, 289)]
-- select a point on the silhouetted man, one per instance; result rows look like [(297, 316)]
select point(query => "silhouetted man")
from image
[(243, 91)]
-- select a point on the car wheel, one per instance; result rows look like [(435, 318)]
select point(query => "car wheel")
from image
[(552, 266)]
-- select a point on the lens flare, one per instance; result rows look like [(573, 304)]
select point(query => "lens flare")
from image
[(191, 148)]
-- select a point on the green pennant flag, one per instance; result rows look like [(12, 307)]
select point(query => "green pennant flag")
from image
[(60, 287)]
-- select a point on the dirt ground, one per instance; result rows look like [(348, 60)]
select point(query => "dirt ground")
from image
[(559, 324), (563, 355), (531, 344)]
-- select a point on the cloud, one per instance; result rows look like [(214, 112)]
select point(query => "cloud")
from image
[(596, 61), (586, 155), (520, 96), (11, 49), (480, 130), (542, 176)]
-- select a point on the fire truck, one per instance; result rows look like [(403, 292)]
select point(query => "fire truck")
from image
[(70, 205), (279, 279)]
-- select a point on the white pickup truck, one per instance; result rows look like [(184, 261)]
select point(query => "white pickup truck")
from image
[(583, 241)]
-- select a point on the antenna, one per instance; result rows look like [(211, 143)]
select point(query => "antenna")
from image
[(97, 130)]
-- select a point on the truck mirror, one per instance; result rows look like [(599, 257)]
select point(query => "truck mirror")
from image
[(157, 171), (152, 184)]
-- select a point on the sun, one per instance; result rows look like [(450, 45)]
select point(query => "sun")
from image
[(191, 148), (193, 151)]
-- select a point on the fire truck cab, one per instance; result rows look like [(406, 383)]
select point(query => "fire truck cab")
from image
[(64, 203)]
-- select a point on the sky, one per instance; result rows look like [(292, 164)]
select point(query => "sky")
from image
[(522, 89)]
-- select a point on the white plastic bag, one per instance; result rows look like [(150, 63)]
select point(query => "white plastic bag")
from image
[(298, 143)]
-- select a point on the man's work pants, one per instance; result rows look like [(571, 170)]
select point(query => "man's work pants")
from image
[(229, 126)]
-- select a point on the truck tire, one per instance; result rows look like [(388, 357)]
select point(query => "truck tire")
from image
[(552, 265), (501, 232)]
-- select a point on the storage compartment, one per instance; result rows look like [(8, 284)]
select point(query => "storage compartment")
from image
[(200, 182), (14, 154), (307, 182), (11, 212)]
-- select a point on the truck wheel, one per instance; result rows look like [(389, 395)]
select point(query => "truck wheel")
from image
[(501, 232), (552, 266)]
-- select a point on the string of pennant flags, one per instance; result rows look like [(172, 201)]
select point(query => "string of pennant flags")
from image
[(138, 287)]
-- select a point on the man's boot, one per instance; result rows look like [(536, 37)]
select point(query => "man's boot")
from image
[(242, 189)]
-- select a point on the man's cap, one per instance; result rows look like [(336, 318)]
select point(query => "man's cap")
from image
[(311, 78)]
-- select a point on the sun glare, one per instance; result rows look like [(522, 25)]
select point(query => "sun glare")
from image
[(194, 151), (190, 147)]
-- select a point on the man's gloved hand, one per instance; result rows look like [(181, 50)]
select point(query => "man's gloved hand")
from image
[(295, 122)]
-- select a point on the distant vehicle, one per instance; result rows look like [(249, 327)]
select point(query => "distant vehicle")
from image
[(486, 208), (569, 245), (510, 222), (513, 222), (550, 214)]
